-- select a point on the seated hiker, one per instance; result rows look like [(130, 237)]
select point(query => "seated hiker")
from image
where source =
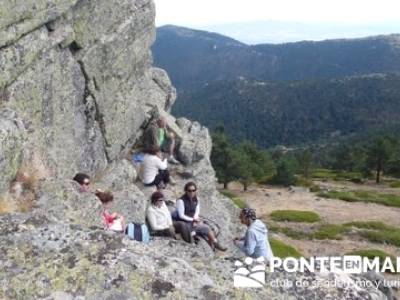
[(255, 242), (188, 210), (154, 169), (159, 217), (159, 136), (114, 221), (84, 182)]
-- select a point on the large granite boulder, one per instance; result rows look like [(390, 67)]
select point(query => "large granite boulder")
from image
[(12, 133)]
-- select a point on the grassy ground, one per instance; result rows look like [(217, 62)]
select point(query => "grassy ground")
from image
[(282, 250), (375, 225), (322, 232), (373, 231), (363, 196), (336, 175), (395, 184), (236, 200), (295, 216)]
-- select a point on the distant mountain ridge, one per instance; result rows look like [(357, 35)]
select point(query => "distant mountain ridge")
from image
[(195, 57), (283, 94), (296, 112)]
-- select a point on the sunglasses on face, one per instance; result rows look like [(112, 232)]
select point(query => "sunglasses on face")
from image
[(191, 191)]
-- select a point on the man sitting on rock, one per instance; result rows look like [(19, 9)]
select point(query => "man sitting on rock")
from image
[(188, 211), (255, 243), (84, 182), (159, 136)]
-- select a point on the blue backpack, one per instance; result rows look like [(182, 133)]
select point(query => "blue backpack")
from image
[(138, 232)]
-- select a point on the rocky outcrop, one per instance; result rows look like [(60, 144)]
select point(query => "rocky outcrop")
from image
[(77, 88), (11, 141)]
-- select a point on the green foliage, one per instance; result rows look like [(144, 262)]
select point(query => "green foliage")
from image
[(282, 250), (330, 232), (363, 196), (221, 156), (292, 233), (236, 200), (322, 232), (395, 184), (336, 175), (379, 152), (285, 172), (383, 236), (376, 225), (250, 163), (295, 216), (377, 232), (245, 162), (293, 113), (305, 163), (315, 189)]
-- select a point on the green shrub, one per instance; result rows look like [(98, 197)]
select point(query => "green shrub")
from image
[(337, 175), (376, 225), (295, 216), (282, 250), (383, 236), (301, 181), (395, 184), (236, 200), (284, 173), (363, 196), (315, 189), (330, 232), (294, 234)]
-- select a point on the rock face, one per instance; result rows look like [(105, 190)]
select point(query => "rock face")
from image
[(77, 88)]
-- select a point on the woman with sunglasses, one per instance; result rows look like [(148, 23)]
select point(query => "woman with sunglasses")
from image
[(188, 211), (84, 182)]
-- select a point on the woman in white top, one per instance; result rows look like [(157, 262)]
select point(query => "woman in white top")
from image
[(159, 217), (154, 169)]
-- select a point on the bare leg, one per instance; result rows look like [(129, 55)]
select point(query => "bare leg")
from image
[(171, 146)]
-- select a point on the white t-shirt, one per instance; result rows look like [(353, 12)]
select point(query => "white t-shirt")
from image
[(150, 166)]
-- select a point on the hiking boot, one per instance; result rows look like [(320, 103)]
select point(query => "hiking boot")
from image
[(173, 160), (219, 247)]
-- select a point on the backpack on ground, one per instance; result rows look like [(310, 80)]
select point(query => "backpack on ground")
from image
[(138, 232)]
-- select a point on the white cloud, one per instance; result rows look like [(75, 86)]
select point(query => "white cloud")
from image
[(206, 12)]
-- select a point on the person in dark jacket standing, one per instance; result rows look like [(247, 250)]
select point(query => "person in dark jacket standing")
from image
[(188, 210)]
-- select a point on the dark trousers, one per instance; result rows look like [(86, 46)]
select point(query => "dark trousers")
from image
[(184, 229), (169, 232), (162, 176)]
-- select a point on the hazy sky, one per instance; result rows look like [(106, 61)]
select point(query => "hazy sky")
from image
[(297, 19)]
